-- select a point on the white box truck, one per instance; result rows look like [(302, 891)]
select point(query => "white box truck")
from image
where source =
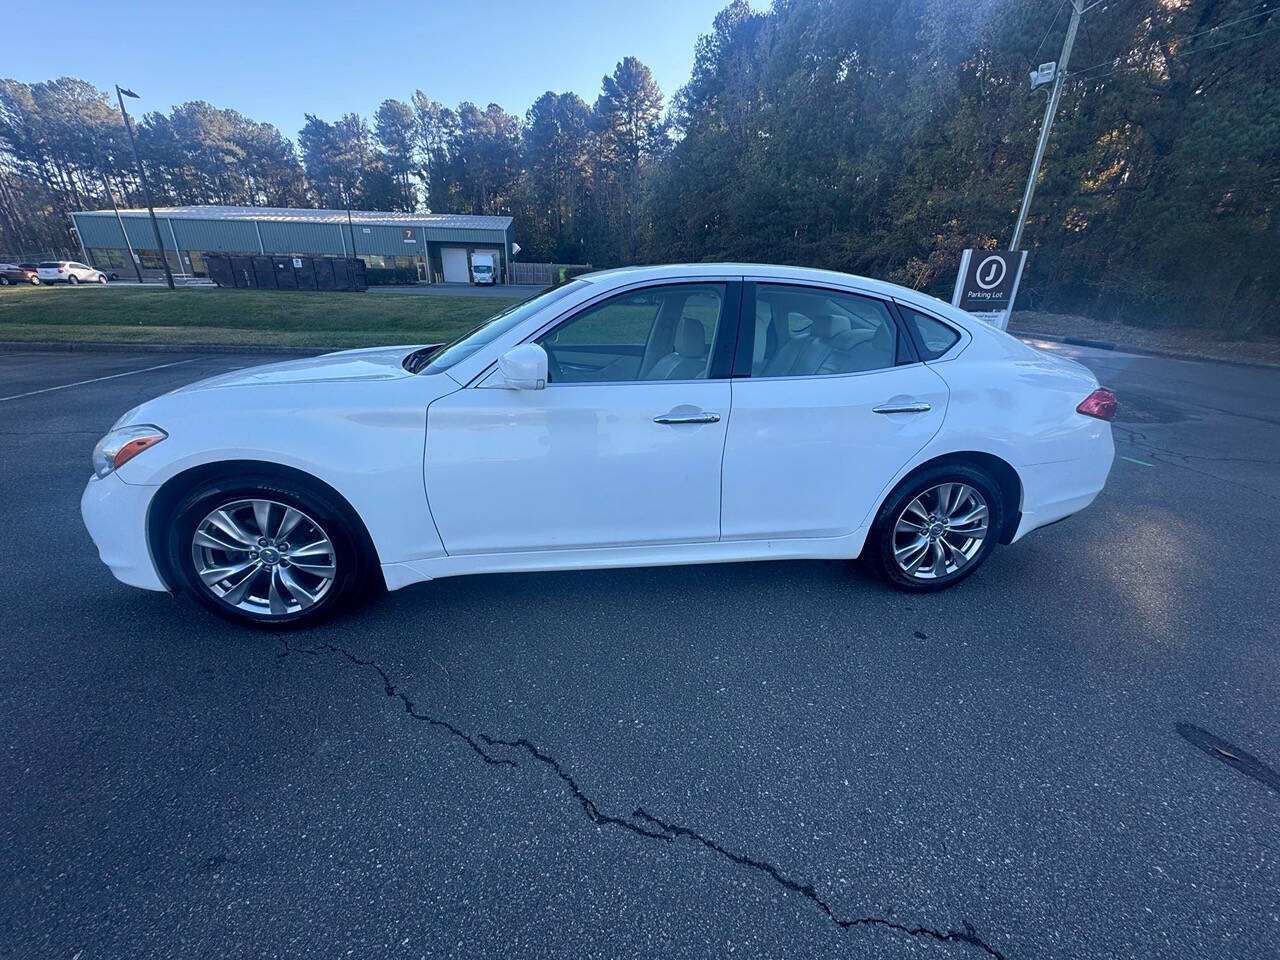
[(484, 268)]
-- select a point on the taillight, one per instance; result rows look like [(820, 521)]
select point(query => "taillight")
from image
[(1101, 403)]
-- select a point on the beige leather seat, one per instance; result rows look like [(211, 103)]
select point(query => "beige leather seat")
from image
[(688, 361)]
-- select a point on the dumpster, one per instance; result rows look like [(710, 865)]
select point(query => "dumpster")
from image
[(287, 273)]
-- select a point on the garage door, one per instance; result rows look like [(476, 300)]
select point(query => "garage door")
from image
[(454, 261)]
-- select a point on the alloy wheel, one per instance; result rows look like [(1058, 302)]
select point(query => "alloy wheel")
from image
[(263, 557), (940, 531)]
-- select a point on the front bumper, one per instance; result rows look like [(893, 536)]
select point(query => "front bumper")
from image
[(115, 514)]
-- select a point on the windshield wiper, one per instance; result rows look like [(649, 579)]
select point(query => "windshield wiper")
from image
[(421, 357)]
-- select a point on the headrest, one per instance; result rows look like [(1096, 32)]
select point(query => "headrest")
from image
[(827, 325), (691, 339)]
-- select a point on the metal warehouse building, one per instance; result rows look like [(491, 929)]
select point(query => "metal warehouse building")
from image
[(402, 247)]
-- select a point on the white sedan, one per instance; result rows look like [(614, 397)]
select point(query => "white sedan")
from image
[(653, 415)]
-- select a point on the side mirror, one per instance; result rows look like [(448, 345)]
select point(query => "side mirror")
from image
[(524, 367)]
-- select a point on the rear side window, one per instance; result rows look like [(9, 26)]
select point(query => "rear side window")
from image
[(936, 338), (805, 331)]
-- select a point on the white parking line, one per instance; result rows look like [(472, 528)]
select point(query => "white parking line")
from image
[(80, 383)]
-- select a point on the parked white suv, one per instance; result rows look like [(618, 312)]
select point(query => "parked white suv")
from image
[(68, 271)]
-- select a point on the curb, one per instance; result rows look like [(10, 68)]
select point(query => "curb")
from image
[(1143, 351), (89, 346)]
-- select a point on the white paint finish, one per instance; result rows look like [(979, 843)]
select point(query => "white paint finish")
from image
[(114, 376), (453, 261), (354, 420), (113, 512), (575, 465), (577, 475), (807, 457)]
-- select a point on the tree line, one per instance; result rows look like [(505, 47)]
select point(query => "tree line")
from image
[(877, 136)]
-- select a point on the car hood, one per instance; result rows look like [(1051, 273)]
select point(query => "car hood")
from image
[(374, 363)]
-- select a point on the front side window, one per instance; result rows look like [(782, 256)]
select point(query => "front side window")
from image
[(809, 332), (657, 333), (496, 326)]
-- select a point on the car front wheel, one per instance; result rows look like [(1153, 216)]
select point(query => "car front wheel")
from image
[(937, 529), (102, 278), (258, 552)]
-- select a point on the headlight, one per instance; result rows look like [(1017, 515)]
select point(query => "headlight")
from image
[(121, 445)]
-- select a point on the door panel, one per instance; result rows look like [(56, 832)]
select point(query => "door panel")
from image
[(808, 457), (575, 465), (453, 263)]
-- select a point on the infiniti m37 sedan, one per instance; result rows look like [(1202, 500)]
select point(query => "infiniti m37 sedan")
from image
[(635, 417)]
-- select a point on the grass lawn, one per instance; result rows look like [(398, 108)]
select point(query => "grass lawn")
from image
[(250, 317)]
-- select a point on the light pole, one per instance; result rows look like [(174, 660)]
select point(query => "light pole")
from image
[(146, 188), (1059, 77)]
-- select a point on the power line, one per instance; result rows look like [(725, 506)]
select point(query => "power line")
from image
[(1231, 23), (1079, 75), (1052, 23)]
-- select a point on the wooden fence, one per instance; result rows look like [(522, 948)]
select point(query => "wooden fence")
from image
[(542, 274)]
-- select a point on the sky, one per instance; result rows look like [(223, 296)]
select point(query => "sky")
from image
[(276, 61)]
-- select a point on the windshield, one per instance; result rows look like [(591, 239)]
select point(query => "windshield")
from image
[(446, 356)]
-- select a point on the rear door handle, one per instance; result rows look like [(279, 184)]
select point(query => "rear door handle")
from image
[(902, 408), (688, 418)]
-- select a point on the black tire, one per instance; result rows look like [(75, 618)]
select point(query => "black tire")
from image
[(4, 281), (356, 568), (102, 278), (879, 551), (72, 279), (35, 281)]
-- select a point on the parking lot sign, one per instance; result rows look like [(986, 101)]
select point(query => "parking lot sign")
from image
[(987, 283)]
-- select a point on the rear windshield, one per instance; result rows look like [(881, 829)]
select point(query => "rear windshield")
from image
[(51, 263)]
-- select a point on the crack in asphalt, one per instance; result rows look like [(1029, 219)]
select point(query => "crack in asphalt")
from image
[(641, 822), (390, 690), (1139, 438), (1229, 753), (1139, 441)]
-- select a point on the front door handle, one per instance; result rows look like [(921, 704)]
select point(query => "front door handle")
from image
[(902, 408), (688, 418)]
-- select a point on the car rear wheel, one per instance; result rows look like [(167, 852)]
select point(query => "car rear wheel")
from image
[(4, 281), (937, 529), (72, 279), (257, 553)]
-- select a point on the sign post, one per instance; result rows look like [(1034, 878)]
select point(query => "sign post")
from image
[(987, 284)]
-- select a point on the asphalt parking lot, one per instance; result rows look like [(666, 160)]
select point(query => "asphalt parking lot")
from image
[(764, 760)]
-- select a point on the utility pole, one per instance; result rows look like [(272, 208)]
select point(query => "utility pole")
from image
[(146, 188), (1059, 78), (133, 257)]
